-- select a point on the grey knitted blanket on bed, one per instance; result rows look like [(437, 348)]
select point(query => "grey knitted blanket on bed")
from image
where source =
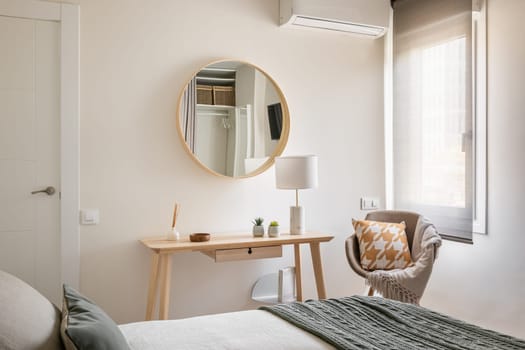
[(360, 322)]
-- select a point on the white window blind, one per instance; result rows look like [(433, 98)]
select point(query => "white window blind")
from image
[(433, 112)]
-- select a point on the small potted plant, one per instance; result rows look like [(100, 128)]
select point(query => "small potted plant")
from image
[(273, 229), (258, 228)]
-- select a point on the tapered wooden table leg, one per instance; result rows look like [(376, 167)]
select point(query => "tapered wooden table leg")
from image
[(298, 280), (153, 286), (318, 269), (165, 287)]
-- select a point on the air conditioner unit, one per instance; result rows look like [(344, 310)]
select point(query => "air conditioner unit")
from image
[(364, 17)]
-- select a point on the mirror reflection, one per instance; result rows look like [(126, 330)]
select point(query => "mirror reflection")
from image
[(233, 118)]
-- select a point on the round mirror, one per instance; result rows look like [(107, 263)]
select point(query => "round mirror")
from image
[(233, 119)]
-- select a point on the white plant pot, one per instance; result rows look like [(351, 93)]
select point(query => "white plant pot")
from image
[(273, 231), (258, 231)]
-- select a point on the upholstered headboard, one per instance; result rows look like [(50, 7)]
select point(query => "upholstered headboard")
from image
[(28, 320)]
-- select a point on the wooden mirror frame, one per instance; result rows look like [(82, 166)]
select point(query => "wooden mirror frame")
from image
[(283, 141)]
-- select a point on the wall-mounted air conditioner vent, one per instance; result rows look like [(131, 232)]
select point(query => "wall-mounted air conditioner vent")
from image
[(364, 17)]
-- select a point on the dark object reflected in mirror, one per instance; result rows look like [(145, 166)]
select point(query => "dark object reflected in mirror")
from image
[(233, 119), (275, 119)]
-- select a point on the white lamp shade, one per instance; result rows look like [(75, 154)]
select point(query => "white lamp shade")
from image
[(296, 172)]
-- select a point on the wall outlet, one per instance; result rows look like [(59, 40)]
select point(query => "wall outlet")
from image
[(369, 203)]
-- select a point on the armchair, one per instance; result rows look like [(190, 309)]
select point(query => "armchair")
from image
[(400, 284)]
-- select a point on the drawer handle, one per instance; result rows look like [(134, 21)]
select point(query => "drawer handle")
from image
[(249, 250)]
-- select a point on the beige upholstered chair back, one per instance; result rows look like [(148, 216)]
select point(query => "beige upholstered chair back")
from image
[(394, 216)]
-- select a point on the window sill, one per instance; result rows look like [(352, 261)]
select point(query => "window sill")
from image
[(460, 239)]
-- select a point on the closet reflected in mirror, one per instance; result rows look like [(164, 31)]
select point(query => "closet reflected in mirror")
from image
[(233, 119)]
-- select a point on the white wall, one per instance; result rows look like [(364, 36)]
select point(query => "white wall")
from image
[(485, 283), (135, 58)]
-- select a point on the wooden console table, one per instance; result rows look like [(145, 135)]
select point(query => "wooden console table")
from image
[(228, 247)]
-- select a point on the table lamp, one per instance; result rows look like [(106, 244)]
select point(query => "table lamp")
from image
[(296, 173)]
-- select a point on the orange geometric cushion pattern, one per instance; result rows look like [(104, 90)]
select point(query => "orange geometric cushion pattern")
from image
[(382, 245)]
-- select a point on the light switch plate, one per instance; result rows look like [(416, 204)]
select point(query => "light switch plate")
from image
[(89, 216), (369, 203)]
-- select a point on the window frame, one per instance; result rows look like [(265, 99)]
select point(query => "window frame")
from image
[(479, 81), (479, 118)]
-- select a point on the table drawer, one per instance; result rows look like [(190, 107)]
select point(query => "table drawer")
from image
[(221, 255)]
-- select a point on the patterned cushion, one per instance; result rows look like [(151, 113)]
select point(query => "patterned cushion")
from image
[(382, 245)]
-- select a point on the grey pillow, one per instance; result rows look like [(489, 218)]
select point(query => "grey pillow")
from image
[(86, 326), (27, 319)]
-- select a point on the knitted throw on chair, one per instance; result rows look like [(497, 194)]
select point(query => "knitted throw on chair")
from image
[(408, 284)]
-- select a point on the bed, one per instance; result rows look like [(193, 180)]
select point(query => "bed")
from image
[(254, 329), (29, 321)]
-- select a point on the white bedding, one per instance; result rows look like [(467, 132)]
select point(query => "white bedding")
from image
[(255, 329)]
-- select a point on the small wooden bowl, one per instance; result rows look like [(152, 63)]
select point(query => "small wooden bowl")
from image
[(200, 237)]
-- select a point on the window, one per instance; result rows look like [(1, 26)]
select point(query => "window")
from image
[(435, 135)]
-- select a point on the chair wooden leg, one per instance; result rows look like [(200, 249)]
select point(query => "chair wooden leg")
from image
[(370, 291)]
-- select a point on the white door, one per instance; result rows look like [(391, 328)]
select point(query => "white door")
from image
[(30, 152)]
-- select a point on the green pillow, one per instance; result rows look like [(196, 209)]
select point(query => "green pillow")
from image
[(86, 326)]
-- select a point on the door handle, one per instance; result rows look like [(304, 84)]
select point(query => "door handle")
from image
[(50, 190)]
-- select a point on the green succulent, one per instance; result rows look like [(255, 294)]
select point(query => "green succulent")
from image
[(274, 223), (258, 221)]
